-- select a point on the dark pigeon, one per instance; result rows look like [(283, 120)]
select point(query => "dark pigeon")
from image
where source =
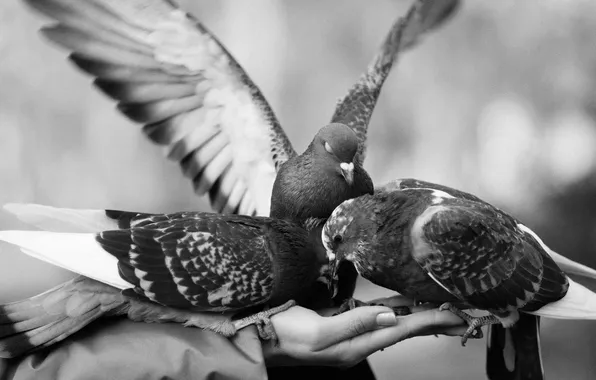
[(170, 74), (200, 269), (439, 245), (308, 187)]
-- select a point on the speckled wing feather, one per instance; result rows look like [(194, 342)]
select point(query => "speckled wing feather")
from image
[(483, 258), (194, 260), (169, 73), (411, 183), (356, 107)]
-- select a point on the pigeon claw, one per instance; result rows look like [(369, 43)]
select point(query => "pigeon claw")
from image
[(262, 320), (351, 304), (475, 324), (401, 310)]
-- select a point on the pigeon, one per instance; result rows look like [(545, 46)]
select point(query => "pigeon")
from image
[(310, 186), (200, 269), (440, 245), (172, 75), (512, 353)]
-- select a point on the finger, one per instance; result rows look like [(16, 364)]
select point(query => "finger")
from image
[(353, 323), (422, 323), (449, 331), (428, 322)]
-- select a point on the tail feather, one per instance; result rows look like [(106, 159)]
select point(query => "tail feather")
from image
[(571, 267), (62, 219), (56, 219), (79, 253), (567, 265), (50, 317), (514, 353), (578, 303)]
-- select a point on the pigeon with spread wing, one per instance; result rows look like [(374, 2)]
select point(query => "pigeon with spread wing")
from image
[(200, 269), (440, 245), (169, 73)]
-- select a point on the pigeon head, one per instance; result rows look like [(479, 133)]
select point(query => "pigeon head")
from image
[(337, 145), (348, 232)]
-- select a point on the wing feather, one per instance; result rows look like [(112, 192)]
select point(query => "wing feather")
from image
[(195, 260), (169, 73), (479, 255)]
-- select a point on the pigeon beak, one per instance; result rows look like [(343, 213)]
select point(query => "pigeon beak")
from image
[(334, 280), (347, 171), (327, 277)]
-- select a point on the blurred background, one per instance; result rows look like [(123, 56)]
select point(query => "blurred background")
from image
[(501, 102)]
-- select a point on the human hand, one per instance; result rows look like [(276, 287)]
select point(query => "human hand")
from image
[(308, 338)]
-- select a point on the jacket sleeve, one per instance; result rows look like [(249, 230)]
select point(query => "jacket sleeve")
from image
[(122, 349)]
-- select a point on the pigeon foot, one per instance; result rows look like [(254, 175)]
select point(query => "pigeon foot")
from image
[(351, 304), (262, 320), (475, 324)]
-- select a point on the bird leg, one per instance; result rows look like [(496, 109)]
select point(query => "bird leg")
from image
[(350, 304), (263, 321), (475, 324), (141, 310)]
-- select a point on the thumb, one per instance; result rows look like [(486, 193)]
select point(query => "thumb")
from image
[(355, 322)]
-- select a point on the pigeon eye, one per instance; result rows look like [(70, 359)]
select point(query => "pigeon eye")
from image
[(337, 239), (328, 148)]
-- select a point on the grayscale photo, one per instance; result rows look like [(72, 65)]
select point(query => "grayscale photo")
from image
[(268, 189)]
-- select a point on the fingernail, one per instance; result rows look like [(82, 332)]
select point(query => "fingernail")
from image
[(386, 319)]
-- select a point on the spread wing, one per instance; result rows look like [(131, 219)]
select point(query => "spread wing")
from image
[(483, 258), (170, 74), (194, 260), (356, 107)]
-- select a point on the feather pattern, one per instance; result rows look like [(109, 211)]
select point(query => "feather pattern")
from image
[(202, 261), (481, 256), (470, 250), (171, 74), (523, 346), (188, 267), (188, 260), (569, 266)]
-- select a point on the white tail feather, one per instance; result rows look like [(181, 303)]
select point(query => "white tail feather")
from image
[(571, 267), (567, 265), (578, 303), (61, 219), (79, 253)]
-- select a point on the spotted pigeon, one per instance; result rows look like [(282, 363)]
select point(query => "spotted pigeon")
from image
[(440, 245), (200, 269)]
